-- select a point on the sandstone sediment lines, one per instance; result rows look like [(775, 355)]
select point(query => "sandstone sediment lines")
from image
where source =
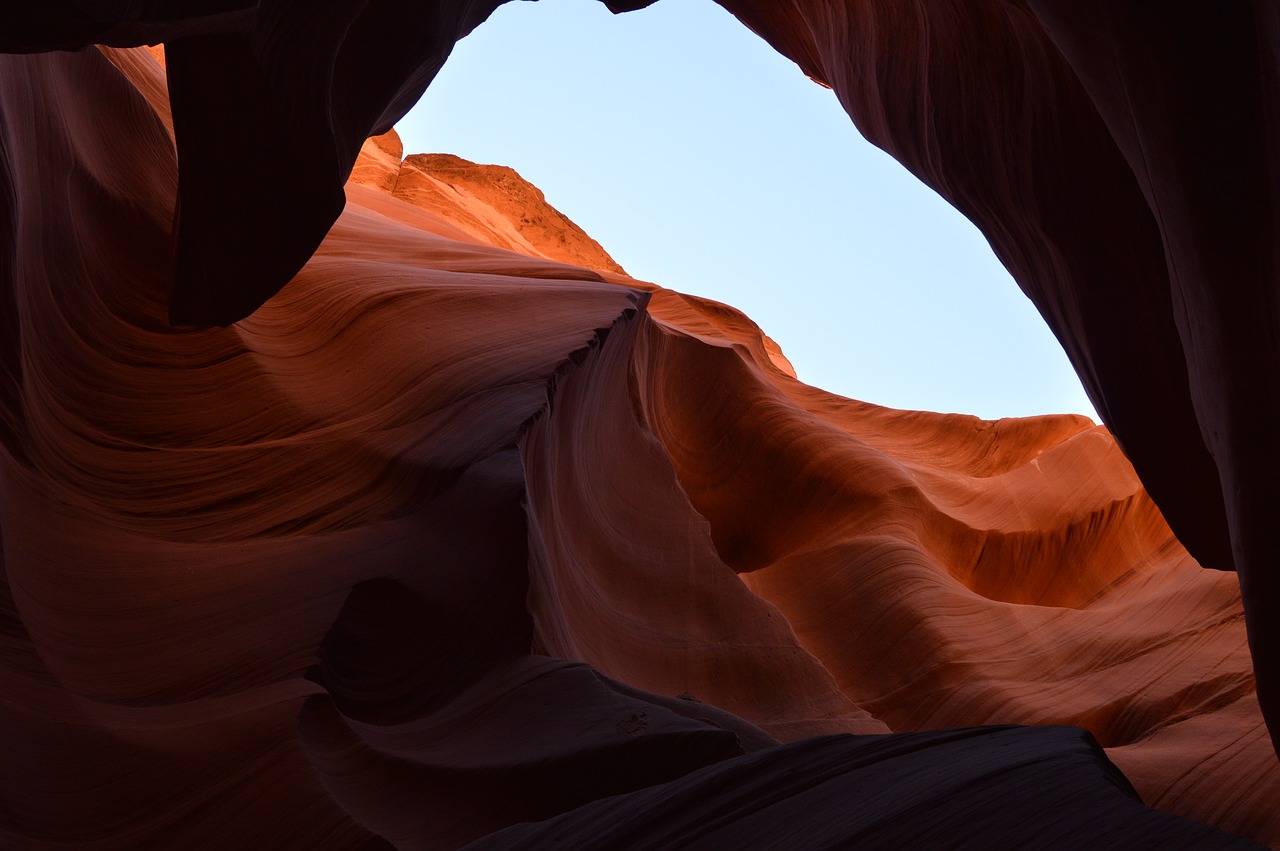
[(466, 531)]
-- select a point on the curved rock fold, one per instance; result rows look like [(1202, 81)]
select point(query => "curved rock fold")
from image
[(466, 536)]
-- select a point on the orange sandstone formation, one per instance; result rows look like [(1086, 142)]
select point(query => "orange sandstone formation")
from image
[(1121, 160), (464, 535), (491, 204)]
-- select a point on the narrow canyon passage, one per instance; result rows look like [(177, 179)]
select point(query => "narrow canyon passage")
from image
[(408, 527)]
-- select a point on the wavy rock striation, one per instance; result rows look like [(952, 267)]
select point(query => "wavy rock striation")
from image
[(453, 536), (1120, 158)]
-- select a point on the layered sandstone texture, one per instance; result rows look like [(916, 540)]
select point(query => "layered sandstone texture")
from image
[(465, 536), (1122, 159), (1119, 156)]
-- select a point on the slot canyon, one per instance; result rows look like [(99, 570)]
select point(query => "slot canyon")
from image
[(353, 497)]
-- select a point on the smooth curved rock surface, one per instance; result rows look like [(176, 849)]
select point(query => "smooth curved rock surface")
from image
[(448, 538), (1118, 162), (1121, 160), (766, 800), (281, 122)]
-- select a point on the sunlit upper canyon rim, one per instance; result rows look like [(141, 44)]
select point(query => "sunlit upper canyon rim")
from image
[(352, 497), (708, 162)]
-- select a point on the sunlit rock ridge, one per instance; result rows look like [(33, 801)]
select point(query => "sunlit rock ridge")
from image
[(395, 513)]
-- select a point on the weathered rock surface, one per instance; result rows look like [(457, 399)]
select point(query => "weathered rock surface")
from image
[(1122, 160), (492, 204), (450, 537)]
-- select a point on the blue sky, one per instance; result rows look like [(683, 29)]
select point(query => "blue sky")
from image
[(705, 162)]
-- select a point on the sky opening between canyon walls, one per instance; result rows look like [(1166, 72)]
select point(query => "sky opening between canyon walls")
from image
[(706, 162)]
